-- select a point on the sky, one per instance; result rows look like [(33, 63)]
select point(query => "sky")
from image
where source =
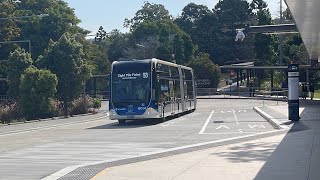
[(111, 13)]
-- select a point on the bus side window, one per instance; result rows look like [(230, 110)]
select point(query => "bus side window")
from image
[(163, 76)]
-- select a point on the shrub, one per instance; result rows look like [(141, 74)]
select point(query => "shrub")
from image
[(96, 103), (79, 106), (10, 112), (37, 91)]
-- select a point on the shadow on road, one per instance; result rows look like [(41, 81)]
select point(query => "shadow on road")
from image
[(132, 124)]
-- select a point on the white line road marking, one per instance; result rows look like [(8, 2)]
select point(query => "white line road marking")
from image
[(206, 123), (222, 112), (226, 133), (167, 124), (242, 111), (235, 116), (223, 126), (52, 126)]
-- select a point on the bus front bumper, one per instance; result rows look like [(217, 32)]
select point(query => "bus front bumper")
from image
[(149, 114)]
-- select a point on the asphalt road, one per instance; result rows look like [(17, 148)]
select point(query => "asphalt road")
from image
[(36, 150)]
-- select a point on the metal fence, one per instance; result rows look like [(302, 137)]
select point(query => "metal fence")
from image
[(241, 93), (6, 98)]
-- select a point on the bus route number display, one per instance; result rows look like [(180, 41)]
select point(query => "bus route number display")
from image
[(144, 75)]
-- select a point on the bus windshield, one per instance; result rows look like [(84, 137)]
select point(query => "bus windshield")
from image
[(131, 84)]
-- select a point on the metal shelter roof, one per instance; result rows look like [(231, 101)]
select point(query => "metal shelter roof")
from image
[(306, 14)]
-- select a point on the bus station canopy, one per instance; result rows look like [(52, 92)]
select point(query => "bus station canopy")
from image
[(306, 14)]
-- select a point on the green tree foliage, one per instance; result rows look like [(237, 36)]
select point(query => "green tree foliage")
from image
[(37, 90), (9, 30), (148, 12), (263, 44), (294, 49), (40, 31), (204, 68), (71, 68), (101, 35), (171, 40), (117, 44), (201, 24), (233, 14), (18, 62)]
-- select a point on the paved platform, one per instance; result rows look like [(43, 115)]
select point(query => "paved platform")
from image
[(294, 155)]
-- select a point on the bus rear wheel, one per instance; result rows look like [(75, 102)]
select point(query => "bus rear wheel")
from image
[(121, 121)]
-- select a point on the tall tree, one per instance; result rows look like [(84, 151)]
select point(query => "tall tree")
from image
[(101, 35), (9, 30), (263, 44), (171, 40), (71, 68), (204, 68), (18, 62), (149, 11), (117, 44), (233, 14), (201, 24), (40, 31)]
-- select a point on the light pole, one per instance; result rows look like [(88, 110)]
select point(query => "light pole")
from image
[(281, 43), (24, 17)]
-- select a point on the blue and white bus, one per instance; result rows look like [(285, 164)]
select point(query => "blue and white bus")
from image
[(150, 89)]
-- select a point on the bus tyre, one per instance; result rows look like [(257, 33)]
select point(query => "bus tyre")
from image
[(121, 121)]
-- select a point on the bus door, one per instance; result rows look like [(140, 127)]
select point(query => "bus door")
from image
[(172, 100)]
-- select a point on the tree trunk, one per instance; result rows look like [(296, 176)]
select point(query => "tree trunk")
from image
[(66, 112)]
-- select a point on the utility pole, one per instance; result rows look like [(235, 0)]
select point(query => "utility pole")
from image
[(281, 43)]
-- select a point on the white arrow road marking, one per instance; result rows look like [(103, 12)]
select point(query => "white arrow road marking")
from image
[(223, 126), (252, 126), (256, 126), (206, 123)]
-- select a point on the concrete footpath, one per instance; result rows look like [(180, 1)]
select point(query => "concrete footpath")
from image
[(294, 155)]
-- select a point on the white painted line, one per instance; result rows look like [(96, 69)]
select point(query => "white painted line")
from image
[(69, 169), (226, 133), (223, 126), (242, 111), (206, 123), (51, 126), (167, 124), (235, 116)]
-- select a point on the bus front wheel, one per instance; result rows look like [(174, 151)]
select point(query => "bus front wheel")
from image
[(121, 121)]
